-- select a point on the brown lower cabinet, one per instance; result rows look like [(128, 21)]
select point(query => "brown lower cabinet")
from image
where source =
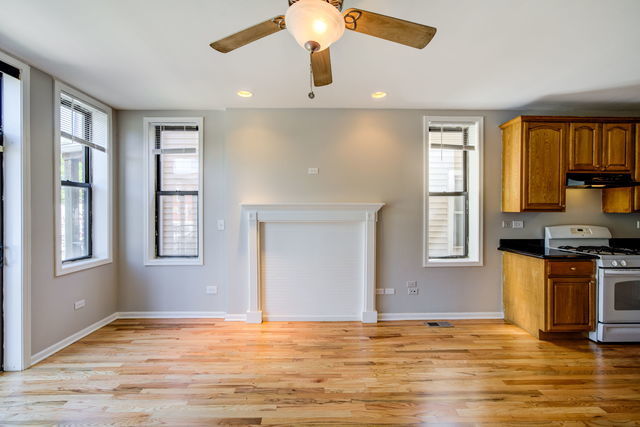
[(549, 298)]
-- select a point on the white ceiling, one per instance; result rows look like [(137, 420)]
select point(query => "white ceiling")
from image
[(487, 54)]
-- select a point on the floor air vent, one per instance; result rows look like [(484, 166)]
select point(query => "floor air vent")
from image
[(438, 324)]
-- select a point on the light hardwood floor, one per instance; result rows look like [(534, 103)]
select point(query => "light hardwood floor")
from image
[(206, 372)]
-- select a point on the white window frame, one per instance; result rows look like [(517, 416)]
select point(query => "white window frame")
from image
[(150, 258), (474, 259), (102, 233)]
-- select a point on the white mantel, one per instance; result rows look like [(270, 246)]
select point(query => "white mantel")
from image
[(365, 213)]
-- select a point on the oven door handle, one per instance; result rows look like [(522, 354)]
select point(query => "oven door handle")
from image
[(621, 271)]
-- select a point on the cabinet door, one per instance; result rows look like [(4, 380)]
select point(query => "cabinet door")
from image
[(570, 305), (617, 147), (618, 200), (543, 177), (584, 147)]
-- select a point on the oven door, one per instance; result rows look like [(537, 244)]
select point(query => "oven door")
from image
[(619, 295)]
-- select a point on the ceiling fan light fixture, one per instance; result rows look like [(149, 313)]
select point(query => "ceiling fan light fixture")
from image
[(244, 94), (314, 21)]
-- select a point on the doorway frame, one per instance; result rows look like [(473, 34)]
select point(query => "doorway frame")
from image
[(17, 271)]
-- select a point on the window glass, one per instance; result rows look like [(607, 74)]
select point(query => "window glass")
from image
[(73, 161), (452, 198), (177, 185), (75, 230), (178, 226)]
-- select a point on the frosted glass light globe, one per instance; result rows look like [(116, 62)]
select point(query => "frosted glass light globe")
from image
[(314, 21)]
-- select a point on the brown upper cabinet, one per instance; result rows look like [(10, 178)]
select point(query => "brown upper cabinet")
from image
[(533, 176), (603, 147), (625, 200), (585, 151), (617, 147), (538, 151)]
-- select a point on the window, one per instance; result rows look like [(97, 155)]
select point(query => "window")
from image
[(174, 208), (83, 177), (452, 199)]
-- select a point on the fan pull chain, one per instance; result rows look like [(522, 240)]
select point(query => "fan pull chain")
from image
[(311, 94)]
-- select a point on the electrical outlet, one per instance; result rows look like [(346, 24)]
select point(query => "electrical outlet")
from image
[(517, 224), (412, 291), (389, 291), (79, 304), (507, 224), (212, 290), (220, 224), (313, 171), (637, 224), (379, 291), (412, 284)]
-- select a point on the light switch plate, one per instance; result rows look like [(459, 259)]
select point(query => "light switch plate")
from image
[(220, 224), (507, 224), (412, 284), (313, 171), (212, 290), (379, 291), (389, 291), (79, 304), (517, 224)]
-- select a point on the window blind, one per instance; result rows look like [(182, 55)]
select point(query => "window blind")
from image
[(449, 137), (82, 123)]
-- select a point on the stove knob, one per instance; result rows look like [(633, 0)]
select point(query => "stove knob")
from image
[(614, 263), (623, 263)]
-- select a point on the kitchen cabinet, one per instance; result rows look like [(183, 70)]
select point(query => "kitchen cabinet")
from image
[(538, 151), (570, 305), (533, 166), (621, 200), (617, 147), (549, 298), (585, 147), (624, 200), (600, 147)]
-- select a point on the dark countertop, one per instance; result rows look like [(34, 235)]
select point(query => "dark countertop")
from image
[(535, 248), (626, 243)]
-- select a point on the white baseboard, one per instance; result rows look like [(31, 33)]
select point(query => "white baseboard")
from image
[(171, 315), (240, 317), (312, 318), (71, 339), (441, 316)]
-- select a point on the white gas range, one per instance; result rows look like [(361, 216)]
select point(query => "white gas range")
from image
[(618, 279)]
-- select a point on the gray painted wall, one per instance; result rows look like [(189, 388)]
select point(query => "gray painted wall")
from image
[(363, 155), (53, 317), (169, 288)]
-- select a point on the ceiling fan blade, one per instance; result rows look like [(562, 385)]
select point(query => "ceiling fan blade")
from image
[(321, 66), (388, 28), (249, 35)]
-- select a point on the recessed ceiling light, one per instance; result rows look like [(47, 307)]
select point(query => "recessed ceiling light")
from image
[(378, 95), (245, 94)]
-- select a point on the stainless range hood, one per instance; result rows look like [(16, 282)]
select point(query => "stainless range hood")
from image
[(600, 180)]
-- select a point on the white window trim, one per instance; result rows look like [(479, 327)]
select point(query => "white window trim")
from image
[(72, 267), (457, 262), (149, 190), (17, 268)]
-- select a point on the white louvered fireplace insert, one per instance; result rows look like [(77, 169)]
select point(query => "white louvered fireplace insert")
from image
[(312, 261)]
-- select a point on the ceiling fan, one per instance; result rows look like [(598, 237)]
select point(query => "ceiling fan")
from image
[(316, 24)]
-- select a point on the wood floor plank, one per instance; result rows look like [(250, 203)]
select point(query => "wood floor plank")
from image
[(211, 372)]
